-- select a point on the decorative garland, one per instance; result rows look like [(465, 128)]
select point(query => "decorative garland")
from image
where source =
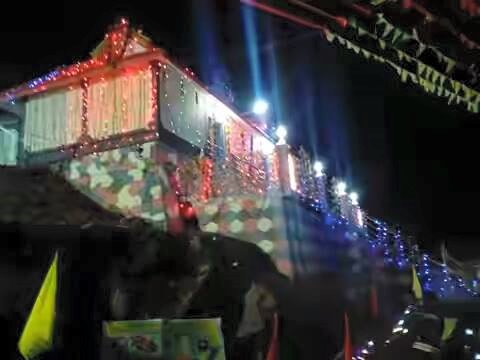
[(430, 80)]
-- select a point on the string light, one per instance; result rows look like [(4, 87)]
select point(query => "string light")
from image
[(239, 160)]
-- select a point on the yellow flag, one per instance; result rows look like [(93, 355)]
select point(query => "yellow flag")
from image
[(416, 286), (37, 336), (449, 325)]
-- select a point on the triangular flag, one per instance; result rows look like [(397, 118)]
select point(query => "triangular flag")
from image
[(450, 65), (449, 325), (396, 34), (421, 68), (400, 55), (361, 31), (421, 49), (366, 53), (37, 335), (451, 98), (442, 79), (428, 72), (439, 91), (473, 107), (329, 35), (347, 341), (416, 286), (388, 29), (468, 92), (456, 86)]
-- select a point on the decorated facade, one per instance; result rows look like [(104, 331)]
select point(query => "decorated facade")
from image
[(131, 129), (117, 124)]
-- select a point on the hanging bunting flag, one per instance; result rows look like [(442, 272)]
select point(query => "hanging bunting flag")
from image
[(406, 37), (468, 93), (456, 86), (473, 107), (413, 77), (37, 335), (428, 73), (420, 50), (439, 91), (396, 35), (420, 68), (388, 29), (451, 98), (361, 31), (329, 35), (450, 65), (397, 68), (366, 53), (429, 79)]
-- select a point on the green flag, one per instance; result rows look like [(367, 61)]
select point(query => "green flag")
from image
[(449, 325), (37, 336), (416, 286)]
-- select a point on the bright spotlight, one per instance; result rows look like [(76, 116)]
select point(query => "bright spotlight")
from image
[(477, 356), (469, 332), (341, 188), (318, 168), (282, 134), (260, 107), (354, 198), (267, 147)]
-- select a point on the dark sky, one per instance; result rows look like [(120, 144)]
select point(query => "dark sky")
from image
[(411, 157)]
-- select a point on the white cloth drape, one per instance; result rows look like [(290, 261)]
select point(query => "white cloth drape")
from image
[(53, 120), (120, 105), (8, 146)]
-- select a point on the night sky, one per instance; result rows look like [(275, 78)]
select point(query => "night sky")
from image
[(411, 157)]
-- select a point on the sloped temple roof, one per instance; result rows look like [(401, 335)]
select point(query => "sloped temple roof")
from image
[(123, 47), (38, 196)]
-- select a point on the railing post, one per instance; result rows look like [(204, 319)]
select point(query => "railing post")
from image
[(282, 152)]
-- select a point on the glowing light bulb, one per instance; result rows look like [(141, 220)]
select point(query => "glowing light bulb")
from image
[(318, 168), (341, 188), (354, 198), (267, 147), (282, 134), (260, 107)]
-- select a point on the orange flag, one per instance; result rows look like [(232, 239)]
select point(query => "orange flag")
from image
[(273, 347), (347, 342)]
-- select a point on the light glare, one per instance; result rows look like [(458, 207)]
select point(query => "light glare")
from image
[(318, 168), (260, 107), (341, 188)]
